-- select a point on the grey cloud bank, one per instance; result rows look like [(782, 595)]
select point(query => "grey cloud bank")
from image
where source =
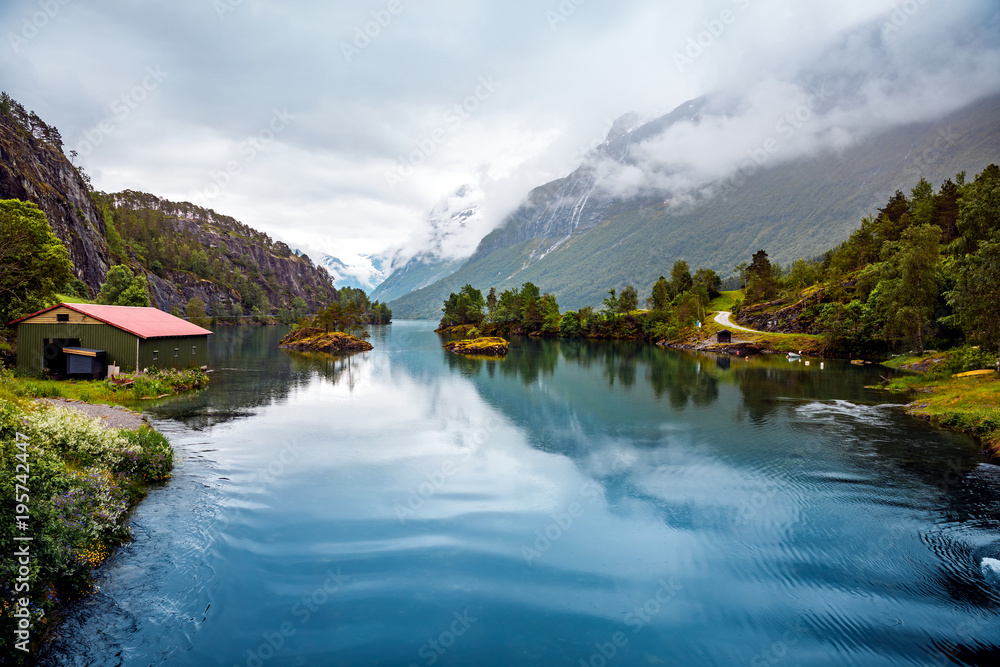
[(372, 149)]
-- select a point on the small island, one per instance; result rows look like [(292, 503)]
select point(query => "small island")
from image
[(314, 339), (486, 347)]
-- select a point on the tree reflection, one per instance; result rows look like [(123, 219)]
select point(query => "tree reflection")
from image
[(249, 371)]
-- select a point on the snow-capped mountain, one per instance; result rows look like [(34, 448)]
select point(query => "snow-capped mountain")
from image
[(365, 272), (454, 228)]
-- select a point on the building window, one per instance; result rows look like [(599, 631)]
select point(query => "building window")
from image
[(156, 355), (194, 350), (62, 317), (177, 352)]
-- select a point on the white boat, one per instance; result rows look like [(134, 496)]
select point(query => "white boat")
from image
[(794, 355)]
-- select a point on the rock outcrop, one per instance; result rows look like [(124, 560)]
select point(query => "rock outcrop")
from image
[(35, 170), (485, 347), (316, 340)]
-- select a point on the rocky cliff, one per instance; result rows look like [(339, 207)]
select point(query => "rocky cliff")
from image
[(193, 252), (185, 251), (33, 169)]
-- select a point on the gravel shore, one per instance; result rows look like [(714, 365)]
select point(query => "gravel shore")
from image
[(110, 416)]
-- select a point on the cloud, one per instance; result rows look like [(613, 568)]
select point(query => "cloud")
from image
[(902, 67), (564, 69)]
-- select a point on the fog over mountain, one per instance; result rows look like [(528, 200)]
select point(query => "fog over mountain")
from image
[(348, 123)]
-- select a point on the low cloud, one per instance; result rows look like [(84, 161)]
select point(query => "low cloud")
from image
[(320, 184), (880, 76)]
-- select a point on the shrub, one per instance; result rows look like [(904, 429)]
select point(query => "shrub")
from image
[(82, 441), (965, 359), (150, 459)]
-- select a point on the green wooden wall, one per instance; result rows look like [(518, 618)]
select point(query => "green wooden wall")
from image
[(122, 347), (191, 351)]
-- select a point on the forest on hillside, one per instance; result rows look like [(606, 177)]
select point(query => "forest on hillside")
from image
[(924, 271)]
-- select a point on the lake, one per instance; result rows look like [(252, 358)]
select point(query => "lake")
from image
[(577, 503)]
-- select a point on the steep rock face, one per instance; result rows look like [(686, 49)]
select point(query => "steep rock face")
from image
[(36, 171), (33, 168), (556, 212), (281, 274)]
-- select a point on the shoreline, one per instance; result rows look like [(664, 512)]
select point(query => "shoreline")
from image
[(84, 467), (947, 401)]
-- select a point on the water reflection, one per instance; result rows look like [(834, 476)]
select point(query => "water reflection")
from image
[(549, 494), (248, 372)]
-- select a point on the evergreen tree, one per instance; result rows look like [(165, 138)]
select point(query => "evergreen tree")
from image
[(761, 283), (909, 289), (680, 278), (660, 299)]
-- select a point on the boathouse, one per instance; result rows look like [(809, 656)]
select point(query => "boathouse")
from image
[(724, 336), (86, 339)]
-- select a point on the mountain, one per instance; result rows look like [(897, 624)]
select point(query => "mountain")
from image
[(417, 273), (574, 239), (365, 274), (33, 168), (444, 245), (185, 251)]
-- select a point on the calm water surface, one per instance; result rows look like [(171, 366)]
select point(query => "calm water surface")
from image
[(577, 503)]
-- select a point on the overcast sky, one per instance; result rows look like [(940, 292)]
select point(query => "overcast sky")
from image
[(338, 126)]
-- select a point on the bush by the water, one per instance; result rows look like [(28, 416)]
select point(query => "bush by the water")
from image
[(80, 481)]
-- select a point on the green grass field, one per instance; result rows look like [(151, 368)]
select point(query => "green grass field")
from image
[(967, 404), (726, 301), (65, 298)]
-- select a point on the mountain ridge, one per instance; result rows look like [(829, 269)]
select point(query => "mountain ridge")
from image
[(794, 209), (233, 264)]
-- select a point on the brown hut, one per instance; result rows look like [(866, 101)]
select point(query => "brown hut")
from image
[(724, 337)]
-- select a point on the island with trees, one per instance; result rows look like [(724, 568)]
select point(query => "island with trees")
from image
[(915, 286), (333, 329)]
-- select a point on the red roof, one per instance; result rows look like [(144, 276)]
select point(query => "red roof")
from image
[(143, 322)]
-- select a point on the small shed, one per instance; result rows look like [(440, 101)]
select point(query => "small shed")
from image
[(73, 338), (724, 336)]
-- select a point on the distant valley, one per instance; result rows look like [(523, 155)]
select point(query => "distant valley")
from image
[(572, 239)]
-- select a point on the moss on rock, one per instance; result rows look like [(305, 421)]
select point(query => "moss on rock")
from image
[(487, 347), (317, 340)]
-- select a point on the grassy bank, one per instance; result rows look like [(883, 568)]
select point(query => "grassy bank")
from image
[(69, 484), (967, 403), (127, 389)]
